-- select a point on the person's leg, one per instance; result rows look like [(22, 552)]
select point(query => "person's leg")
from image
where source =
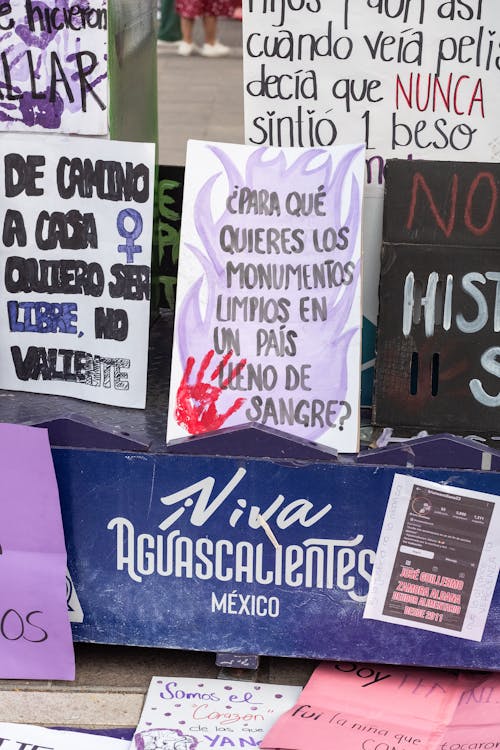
[(187, 25), (210, 27), (212, 48), (170, 27)]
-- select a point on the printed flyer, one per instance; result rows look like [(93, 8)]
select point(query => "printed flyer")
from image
[(268, 310), (438, 558), (184, 713)]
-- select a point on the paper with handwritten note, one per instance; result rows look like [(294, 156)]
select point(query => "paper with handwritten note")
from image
[(357, 706), (268, 290), (366, 707), (35, 633), (188, 713), (28, 737)]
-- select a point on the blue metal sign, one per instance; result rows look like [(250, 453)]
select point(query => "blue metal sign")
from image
[(243, 556)]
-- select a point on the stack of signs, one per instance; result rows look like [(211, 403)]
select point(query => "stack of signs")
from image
[(268, 310), (198, 714), (440, 298), (75, 267), (53, 67), (415, 79)]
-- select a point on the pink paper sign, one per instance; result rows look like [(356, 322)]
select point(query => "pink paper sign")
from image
[(366, 707), (35, 634)]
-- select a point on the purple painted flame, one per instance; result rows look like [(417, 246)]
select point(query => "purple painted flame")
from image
[(325, 342)]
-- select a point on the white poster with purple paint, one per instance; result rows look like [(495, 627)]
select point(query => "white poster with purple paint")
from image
[(75, 267), (54, 66), (268, 310), (186, 713)]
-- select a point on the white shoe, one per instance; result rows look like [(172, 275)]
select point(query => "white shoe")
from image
[(185, 48), (215, 50), (162, 45)]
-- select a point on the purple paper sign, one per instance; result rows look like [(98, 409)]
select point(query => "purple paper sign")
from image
[(35, 634), (268, 317)]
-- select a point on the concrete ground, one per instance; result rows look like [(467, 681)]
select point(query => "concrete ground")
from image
[(197, 98), (111, 682)]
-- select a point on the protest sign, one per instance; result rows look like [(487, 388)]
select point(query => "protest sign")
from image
[(413, 79), (35, 634), (169, 197), (439, 302), (184, 713), (53, 67), (437, 560), (358, 706), (28, 737), (75, 267), (268, 310)]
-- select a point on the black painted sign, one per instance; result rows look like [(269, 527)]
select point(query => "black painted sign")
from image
[(170, 192), (442, 203), (438, 357)]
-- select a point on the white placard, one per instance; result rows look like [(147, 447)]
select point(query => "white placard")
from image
[(413, 78), (184, 713), (268, 310), (438, 558), (54, 67), (75, 267), (16, 736)]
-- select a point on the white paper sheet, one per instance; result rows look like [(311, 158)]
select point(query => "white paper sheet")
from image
[(185, 713), (29, 737), (54, 67), (75, 267)]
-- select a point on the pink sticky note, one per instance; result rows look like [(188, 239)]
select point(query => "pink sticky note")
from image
[(361, 706), (35, 633)]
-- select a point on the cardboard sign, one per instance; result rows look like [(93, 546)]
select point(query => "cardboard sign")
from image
[(413, 79), (75, 270), (184, 713), (268, 309), (28, 737), (437, 559), (359, 706), (442, 203), (53, 67), (35, 634), (438, 320)]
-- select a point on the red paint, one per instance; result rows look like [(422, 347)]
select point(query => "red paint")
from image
[(419, 181), (196, 408), (448, 226), (479, 231)]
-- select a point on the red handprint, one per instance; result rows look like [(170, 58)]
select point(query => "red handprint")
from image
[(196, 404)]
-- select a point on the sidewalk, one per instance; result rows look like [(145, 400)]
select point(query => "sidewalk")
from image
[(200, 97), (112, 681)]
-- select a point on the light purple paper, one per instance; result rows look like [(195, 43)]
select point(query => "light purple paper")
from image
[(268, 310), (35, 633)]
